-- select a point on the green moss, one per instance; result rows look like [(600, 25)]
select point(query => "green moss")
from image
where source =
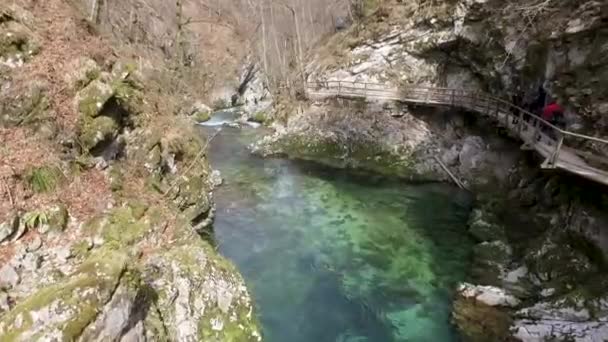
[(138, 208), (259, 117), (44, 178), (80, 298), (123, 229), (116, 178), (81, 249)]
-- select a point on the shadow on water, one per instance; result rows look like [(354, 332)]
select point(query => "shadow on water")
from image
[(335, 256)]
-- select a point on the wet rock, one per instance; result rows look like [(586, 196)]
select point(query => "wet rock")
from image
[(215, 178), (488, 295), (563, 320), (8, 277), (198, 111), (483, 229), (477, 321)]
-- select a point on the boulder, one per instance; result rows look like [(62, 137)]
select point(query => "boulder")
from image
[(27, 106), (91, 100)]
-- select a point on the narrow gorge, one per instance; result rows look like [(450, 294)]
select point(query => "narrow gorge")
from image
[(260, 170)]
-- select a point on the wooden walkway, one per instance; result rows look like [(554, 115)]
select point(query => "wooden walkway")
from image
[(552, 143)]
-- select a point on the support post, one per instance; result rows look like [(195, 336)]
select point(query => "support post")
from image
[(536, 130), (520, 125), (558, 148)]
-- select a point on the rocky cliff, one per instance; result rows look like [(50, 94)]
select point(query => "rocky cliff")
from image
[(105, 193), (542, 235)]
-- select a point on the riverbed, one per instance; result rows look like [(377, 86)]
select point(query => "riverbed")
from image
[(332, 255)]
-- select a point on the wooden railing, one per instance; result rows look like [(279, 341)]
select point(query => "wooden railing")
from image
[(556, 145)]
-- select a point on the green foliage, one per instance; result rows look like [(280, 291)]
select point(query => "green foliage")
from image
[(35, 218), (44, 178)]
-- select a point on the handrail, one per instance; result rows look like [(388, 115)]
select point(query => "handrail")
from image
[(529, 127)]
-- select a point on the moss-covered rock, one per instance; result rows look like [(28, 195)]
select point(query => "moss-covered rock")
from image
[(17, 43), (201, 297), (259, 117), (81, 72), (26, 106), (62, 311), (93, 131), (202, 116), (91, 100), (120, 228)]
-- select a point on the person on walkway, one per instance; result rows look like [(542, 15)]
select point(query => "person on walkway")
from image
[(539, 102), (554, 113)]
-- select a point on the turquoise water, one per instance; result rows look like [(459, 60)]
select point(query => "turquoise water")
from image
[(332, 256)]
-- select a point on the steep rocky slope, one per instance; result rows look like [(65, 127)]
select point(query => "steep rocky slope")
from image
[(105, 193), (540, 261)]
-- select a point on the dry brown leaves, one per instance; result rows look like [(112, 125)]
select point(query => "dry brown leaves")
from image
[(64, 38)]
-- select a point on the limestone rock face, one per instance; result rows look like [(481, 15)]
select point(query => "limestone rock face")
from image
[(198, 299), (63, 310)]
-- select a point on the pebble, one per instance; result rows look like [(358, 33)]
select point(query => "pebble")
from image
[(8, 276)]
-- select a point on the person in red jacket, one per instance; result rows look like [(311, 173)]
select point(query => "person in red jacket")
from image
[(554, 113)]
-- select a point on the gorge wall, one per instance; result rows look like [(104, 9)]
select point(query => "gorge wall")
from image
[(542, 236), (105, 197)]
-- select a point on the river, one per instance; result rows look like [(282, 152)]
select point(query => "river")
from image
[(335, 256)]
